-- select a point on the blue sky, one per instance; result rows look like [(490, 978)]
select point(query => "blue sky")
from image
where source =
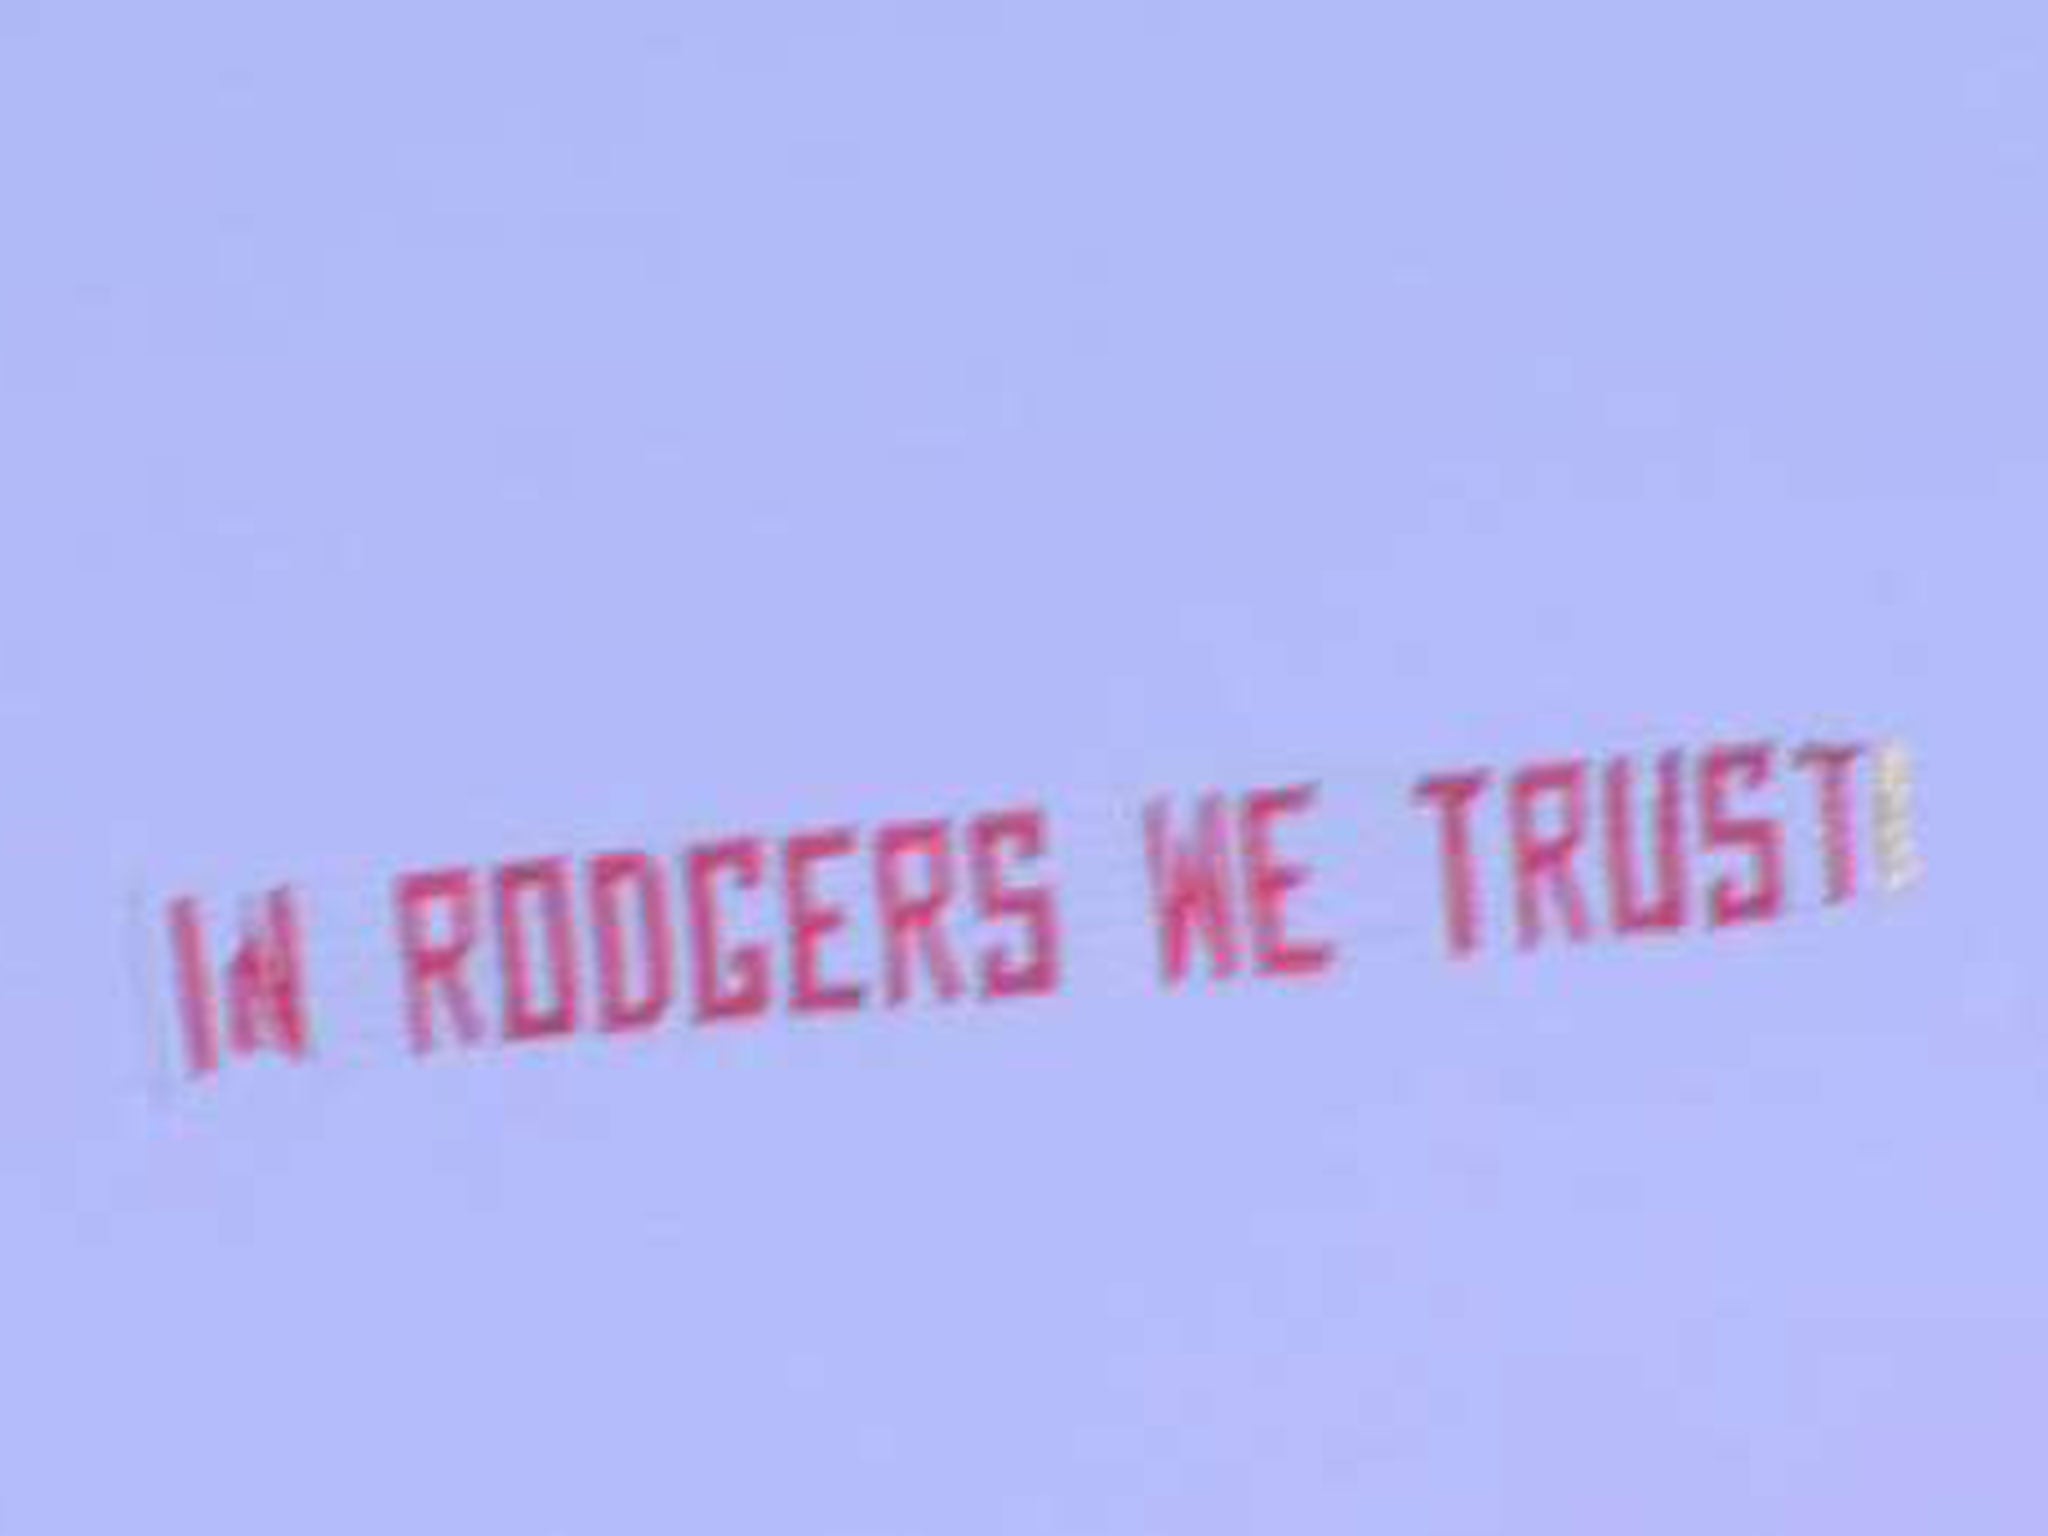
[(446, 431)]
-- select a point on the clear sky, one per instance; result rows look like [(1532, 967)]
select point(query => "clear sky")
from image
[(438, 430)]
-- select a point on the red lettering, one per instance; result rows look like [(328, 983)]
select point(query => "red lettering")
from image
[(1749, 767), (1546, 861), (1453, 794), (1005, 973), (265, 977), (615, 879), (1833, 766), (195, 988), (812, 920), (434, 966), (266, 980), (1191, 890), (1268, 882), (747, 995), (912, 924), (518, 887), (1632, 915)]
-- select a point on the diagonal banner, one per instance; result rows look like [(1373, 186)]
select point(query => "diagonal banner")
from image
[(978, 908)]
